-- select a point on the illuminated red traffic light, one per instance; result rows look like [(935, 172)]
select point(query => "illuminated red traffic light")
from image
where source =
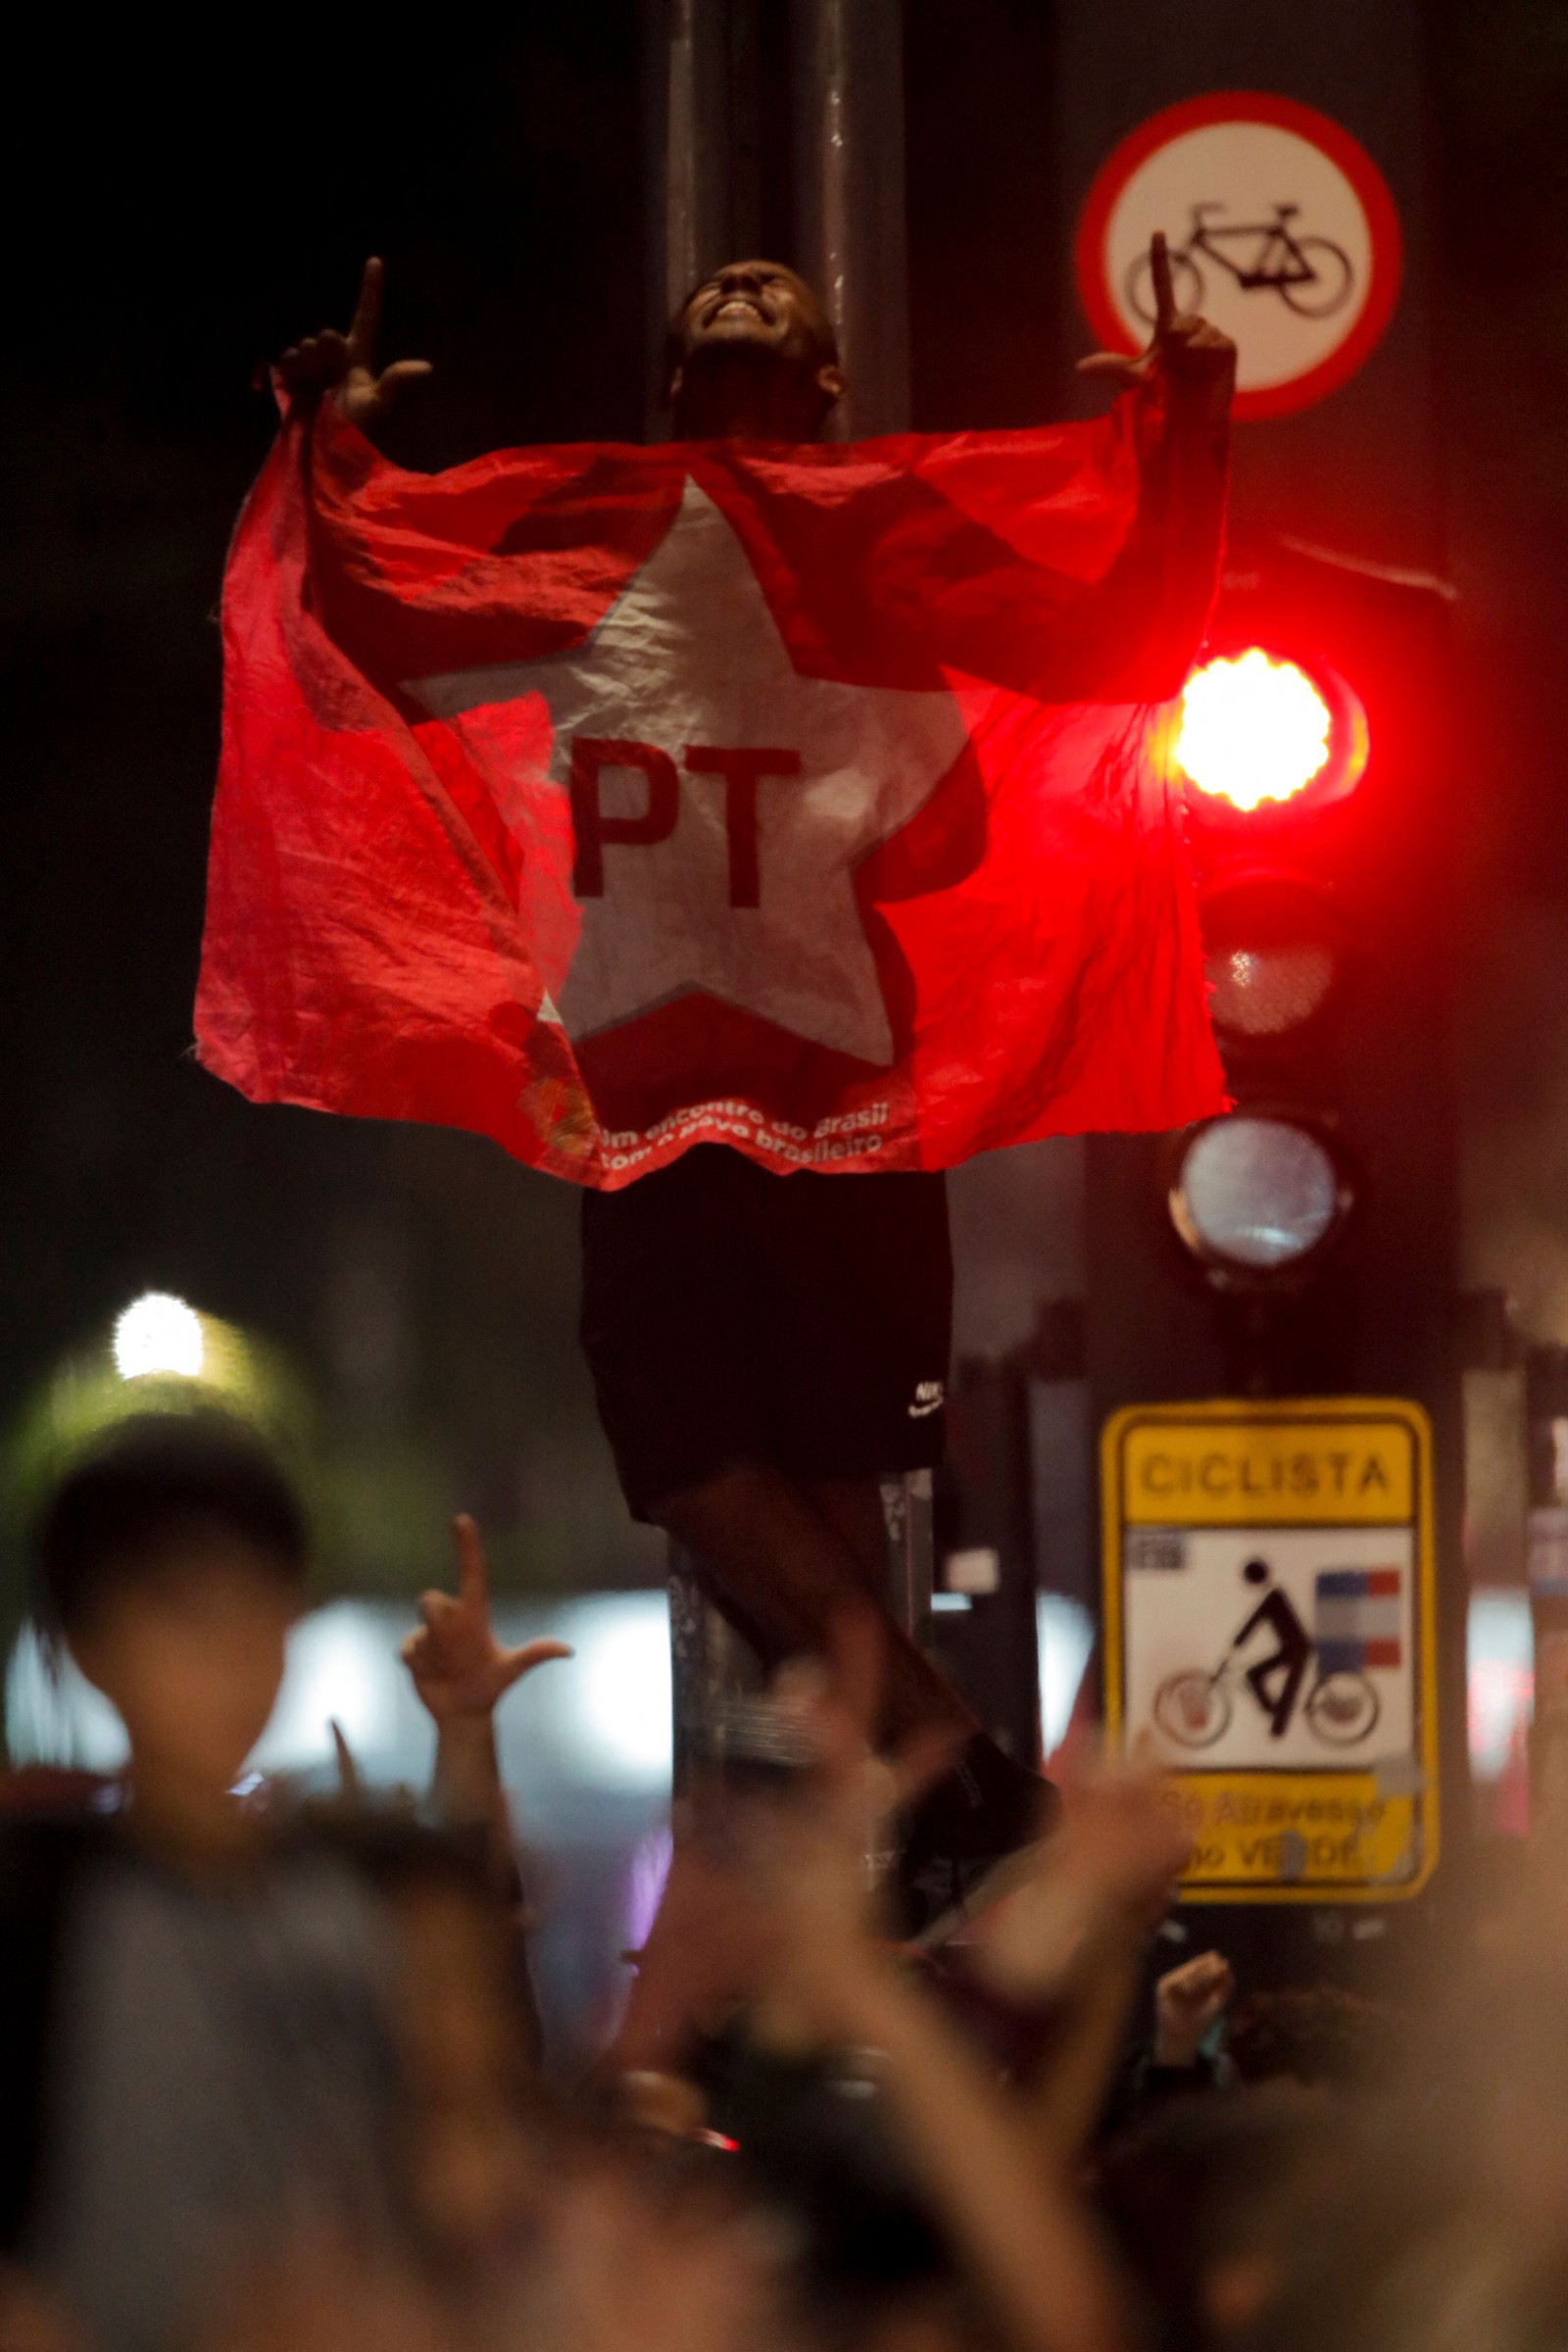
[(1257, 730)]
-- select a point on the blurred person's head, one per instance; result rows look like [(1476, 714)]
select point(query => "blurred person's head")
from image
[(170, 1563), (1442, 2212), (1315, 2035), (753, 356), (1198, 2200)]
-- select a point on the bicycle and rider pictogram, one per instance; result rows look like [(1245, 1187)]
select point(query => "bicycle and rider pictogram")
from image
[(1321, 1677), (1312, 275)]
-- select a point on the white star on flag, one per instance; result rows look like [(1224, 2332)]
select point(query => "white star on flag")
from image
[(727, 876)]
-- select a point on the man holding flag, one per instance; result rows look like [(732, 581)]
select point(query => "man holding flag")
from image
[(741, 808)]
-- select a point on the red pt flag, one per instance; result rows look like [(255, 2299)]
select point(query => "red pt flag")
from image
[(608, 800)]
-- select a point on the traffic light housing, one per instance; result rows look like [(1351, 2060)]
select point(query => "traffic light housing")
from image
[(1305, 1243)]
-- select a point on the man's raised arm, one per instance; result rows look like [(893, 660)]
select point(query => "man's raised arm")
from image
[(1168, 570)]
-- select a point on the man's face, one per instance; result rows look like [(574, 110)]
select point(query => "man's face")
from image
[(755, 323), (191, 1654), (760, 305)]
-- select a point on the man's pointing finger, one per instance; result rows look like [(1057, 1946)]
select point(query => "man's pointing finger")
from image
[(368, 313), (1164, 291)]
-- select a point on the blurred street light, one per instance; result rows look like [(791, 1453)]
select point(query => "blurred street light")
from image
[(159, 1332)]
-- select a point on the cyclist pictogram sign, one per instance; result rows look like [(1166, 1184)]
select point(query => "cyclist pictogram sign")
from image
[(1269, 1639), (1281, 230)]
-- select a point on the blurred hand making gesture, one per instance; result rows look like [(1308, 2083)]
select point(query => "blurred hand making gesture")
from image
[(459, 1670), (344, 365)]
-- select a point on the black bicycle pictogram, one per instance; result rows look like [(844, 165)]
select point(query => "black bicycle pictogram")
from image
[(1312, 275), (1195, 1707)]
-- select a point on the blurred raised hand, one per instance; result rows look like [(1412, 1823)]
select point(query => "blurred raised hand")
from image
[(459, 1670), (1188, 2000), (836, 1827), (792, 1863), (31, 2316), (1013, 2219), (1074, 1934), (1107, 1874), (343, 367), (625, 2271), (771, 1897), (314, 2289)]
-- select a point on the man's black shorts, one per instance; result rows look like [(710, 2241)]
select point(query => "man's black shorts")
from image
[(731, 1315)]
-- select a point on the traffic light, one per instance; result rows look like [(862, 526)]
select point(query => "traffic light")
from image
[(1269, 736), (1302, 1245), (1305, 1237)]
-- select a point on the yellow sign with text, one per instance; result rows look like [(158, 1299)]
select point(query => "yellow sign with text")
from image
[(1328, 1832), (1269, 1639), (1299, 1473)]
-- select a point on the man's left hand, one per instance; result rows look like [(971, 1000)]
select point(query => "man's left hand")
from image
[(1195, 358)]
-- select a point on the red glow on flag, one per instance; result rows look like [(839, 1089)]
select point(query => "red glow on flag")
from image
[(1253, 728)]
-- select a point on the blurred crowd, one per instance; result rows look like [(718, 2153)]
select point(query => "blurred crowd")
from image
[(270, 2073)]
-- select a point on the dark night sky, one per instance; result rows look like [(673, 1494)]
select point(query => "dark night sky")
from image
[(176, 213), (209, 207), (1502, 203)]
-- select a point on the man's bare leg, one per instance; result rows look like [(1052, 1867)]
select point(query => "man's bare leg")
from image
[(788, 1559)]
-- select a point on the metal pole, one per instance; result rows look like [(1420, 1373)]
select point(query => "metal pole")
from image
[(850, 198), (686, 83), (852, 242), (714, 1670), (703, 72), (907, 1520), (689, 63), (697, 154)]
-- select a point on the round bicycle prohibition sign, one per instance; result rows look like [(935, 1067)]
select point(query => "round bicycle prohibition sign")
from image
[(1281, 230)]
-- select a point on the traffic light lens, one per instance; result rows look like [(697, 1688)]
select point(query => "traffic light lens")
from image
[(1256, 1194), (1253, 728), (1267, 991), (1273, 946)]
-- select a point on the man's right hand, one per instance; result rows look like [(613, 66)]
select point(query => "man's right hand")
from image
[(344, 365)]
